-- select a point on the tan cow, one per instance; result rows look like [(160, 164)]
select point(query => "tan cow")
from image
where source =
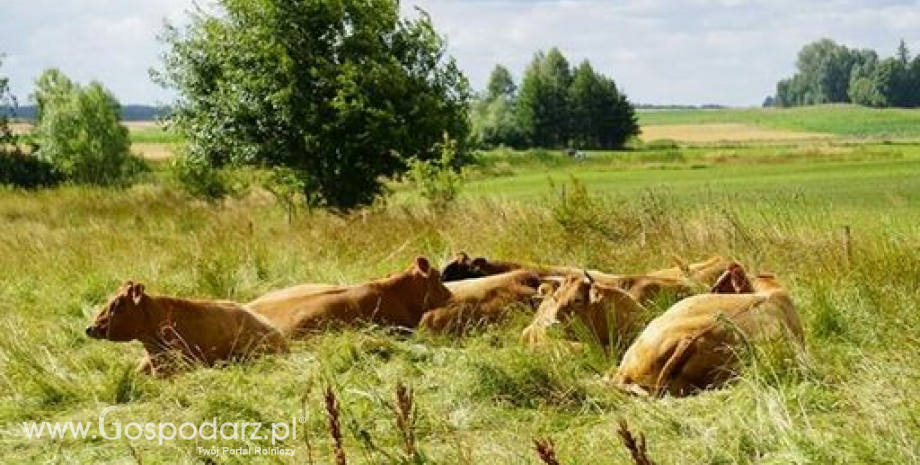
[(680, 281), (181, 330), (696, 343), (399, 300), (292, 293), (704, 273), (609, 313), (482, 301)]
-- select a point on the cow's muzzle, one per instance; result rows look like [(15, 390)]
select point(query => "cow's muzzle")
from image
[(95, 332)]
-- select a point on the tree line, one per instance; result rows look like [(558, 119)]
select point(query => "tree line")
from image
[(828, 72), (556, 106), (332, 98)]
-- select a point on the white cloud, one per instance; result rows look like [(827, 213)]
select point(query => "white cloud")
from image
[(695, 51)]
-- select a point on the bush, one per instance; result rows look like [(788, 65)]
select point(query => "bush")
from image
[(79, 132), (197, 178), (20, 170), (438, 180)]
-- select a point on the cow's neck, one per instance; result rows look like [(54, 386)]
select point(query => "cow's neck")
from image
[(404, 285), (162, 324)]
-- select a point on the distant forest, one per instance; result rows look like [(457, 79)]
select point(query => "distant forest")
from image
[(828, 72), (128, 112)]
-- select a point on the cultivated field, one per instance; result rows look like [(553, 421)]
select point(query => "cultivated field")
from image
[(776, 206), (723, 132)]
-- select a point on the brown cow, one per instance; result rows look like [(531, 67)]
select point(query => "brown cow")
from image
[(292, 293), (175, 330), (399, 300), (482, 301), (695, 344), (609, 313)]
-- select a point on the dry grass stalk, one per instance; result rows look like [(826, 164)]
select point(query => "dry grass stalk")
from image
[(335, 426), (637, 446), (405, 417), (547, 451)]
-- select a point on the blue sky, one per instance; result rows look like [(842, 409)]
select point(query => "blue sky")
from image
[(691, 52)]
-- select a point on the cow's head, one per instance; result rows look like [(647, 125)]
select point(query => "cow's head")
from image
[(733, 281), (123, 317), (766, 282), (573, 298), (460, 268), (428, 282)]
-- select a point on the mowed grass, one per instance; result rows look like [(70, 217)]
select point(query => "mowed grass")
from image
[(841, 120), (851, 398)]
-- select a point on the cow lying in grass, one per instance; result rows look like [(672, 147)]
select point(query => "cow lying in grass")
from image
[(399, 300), (462, 267), (482, 301), (696, 344), (180, 331), (607, 313), (680, 281)]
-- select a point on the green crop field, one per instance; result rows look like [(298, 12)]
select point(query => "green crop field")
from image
[(842, 120), (483, 399)]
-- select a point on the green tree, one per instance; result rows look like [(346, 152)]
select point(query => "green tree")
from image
[(16, 167), (543, 106), (7, 105), (601, 117), (52, 88), (80, 133), (494, 115), (501, 85), (824, 71), (495, 123), (342, 92)]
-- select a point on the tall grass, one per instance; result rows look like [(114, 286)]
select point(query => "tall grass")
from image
[(483, 398)]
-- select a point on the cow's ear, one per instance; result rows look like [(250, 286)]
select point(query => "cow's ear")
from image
[(681, 264), (136, 293), (422, 264), (478, 262), (462, 257), (595, 295)]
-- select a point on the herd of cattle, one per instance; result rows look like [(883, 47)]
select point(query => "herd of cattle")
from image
[(693, 345)]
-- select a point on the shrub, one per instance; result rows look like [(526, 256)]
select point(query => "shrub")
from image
[(20, 170), (200, 179), (438, 180), (79, 132)]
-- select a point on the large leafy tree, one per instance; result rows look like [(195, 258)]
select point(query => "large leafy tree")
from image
[(343, 92)]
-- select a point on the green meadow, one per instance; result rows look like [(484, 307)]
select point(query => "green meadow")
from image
[(836, 220), (841, 120)]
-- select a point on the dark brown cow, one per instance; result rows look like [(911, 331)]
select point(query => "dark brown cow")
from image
[(181, 330), (400, 300)]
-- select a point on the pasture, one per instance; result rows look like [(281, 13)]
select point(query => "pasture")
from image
[(482, 399)]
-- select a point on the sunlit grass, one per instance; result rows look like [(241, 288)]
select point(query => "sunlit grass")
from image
[(482, 399)]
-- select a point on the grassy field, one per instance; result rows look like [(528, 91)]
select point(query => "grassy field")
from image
[(483, 399), (841, 120)]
